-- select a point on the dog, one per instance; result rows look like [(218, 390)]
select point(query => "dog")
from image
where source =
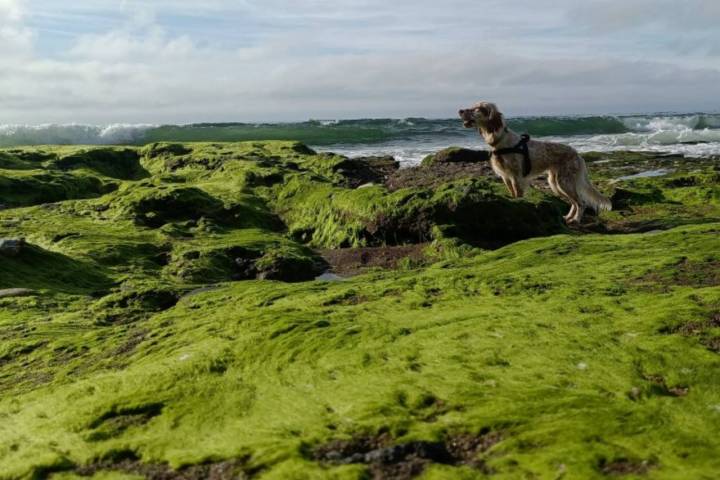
[(518, 159)]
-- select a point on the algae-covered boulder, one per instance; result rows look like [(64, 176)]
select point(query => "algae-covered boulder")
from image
[(156, 206), (130, 303), (34, 177), (472, 209), (456, 155), (9, 161), (34, 187), (219, 263), (36, 268), (122, 164)]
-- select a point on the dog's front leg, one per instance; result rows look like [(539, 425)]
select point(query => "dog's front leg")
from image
[(516, 189), (508, 185)]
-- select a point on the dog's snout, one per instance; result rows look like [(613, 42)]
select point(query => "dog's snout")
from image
[(461, 112)]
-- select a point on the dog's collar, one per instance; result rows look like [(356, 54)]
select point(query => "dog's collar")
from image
[(497, 142)]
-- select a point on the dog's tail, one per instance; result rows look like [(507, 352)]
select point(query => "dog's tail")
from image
[(588, 193)]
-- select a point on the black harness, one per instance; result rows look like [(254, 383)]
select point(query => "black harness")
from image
[(522, 148)]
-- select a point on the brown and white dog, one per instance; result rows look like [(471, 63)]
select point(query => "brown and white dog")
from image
[(565, 168)]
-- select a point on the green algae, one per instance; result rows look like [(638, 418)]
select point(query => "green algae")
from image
[(584, 355)]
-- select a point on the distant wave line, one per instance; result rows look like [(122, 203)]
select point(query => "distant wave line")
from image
[(699, 127)]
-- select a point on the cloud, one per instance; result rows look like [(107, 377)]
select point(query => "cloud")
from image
[(613, 15), (178, 61), (15, 38)]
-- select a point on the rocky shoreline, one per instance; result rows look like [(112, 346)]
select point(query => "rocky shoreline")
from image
[(160, 316)]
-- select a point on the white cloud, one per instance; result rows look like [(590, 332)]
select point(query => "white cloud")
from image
[(182, 61), (10, 10), (15, 38)]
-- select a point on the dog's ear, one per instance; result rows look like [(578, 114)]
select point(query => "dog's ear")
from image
[(495, 119)]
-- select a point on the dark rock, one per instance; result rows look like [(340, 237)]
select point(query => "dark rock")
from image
[(457, 155), (434, 174), (11, 247), (623, 198), (289, 269), (302, 149), (401, 461), (245, 268), (366, 170)]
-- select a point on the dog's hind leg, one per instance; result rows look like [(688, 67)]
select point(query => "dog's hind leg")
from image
[(553, 182), (571, 212), (567, 187)]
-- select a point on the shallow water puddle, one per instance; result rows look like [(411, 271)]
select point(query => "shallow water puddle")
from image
[(330, 277), (647, 174)]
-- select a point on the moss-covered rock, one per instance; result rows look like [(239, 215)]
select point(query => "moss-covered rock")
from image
[(39, 269), (33, 187), (121, 164), (169, 329), (456, 155), (472, 210)]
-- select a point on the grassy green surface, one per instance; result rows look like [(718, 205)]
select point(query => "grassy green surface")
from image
[(172, 332)]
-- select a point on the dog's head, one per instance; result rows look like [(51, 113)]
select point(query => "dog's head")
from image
[(484, 115)]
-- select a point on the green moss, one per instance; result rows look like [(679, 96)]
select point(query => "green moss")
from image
[(581, 355), (122, 164), (675, 199), (473, 210), (32, 187), (36, 268), (554, 375), (12, 162)]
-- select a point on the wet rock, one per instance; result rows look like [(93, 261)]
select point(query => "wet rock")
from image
[(364, 171), (625, 466), (302, 149), (435, 173), (11, 247), (352, 261), (288, 268), (387, 460), (17, 292)]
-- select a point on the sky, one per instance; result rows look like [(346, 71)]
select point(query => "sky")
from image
[(184, 61)]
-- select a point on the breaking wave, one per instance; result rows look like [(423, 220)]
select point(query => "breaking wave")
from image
[(409, 137), (74, 134)]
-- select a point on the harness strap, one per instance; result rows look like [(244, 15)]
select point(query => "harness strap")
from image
[(522, 148)]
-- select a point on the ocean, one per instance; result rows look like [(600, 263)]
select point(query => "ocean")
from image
[(408, 140)]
